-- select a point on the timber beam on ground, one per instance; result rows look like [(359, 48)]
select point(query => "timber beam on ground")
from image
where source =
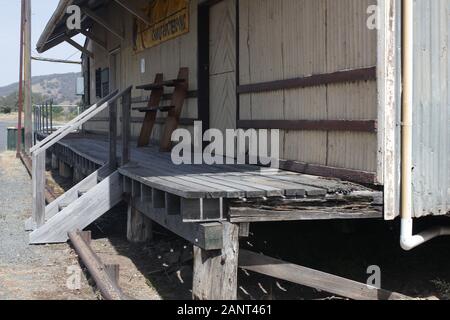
[(279, 269)]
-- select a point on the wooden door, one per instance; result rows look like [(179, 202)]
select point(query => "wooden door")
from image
[(222, 60)]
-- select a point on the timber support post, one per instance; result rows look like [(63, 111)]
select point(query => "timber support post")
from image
[(215, 272), (139, 227), (55, 162), (65, 170)]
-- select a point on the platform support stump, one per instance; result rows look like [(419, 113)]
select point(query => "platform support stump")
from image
[(65, 170), (55, 162), (139, 227), (77, 175), (215, 272)]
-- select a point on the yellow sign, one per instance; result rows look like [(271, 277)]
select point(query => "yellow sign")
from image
[(168, 19)]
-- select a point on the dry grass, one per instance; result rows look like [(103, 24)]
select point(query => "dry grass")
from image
[(9, 117)]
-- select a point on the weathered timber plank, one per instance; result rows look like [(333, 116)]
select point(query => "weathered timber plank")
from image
[(162, 184), (312, 278), (139, 227), (38, 175), (81, 213)]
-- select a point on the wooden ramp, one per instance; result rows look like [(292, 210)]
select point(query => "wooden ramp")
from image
[(79, 207)]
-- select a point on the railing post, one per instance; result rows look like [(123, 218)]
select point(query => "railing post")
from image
[(35, 123), (38, 174), (126, 126), (113, 135), (46, 117), (51, 116), (43, 118)]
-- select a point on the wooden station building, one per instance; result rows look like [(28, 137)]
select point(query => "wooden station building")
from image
[(326, 73)]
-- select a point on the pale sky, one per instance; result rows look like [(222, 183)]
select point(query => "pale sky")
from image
[(9, 41)]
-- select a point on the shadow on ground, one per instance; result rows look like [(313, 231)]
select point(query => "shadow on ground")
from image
[(343, 248)]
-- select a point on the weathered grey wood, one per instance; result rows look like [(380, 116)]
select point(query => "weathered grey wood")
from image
[(113, 136), (161, 184), (241, 215), (196, 210), (65, 170), (77, 174), (81, 213), (155, 170), (55, 162), (135, 10), (332, 207), (244, 230), (69, 126), (207, 236), (38, 174), (158, 199), (103, 22), (331, 185), (312, 278), (135, 189), (71, 195), (146, 193), (54, 138), (139, 227), (126, 126), (127, 185), (77, 46), (215, 272), (172, 204), (113, 272)]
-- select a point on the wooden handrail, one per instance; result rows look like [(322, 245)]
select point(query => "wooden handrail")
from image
[(73, 121), (38, 151)]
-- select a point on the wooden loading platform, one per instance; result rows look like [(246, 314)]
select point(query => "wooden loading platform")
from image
[(210, 206)]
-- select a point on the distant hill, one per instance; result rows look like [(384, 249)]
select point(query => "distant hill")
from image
[(59, 87)]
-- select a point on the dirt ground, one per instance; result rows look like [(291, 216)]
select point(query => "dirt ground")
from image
[(162, 268), (29, 272)]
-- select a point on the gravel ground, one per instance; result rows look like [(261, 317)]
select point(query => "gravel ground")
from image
[(162, 269), (29, 272)]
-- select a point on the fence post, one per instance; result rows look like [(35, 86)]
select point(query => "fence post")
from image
[(126, 126), (46, 117), (51, 116), (43, 118), (38, 175), (113, 135), (35, 123)]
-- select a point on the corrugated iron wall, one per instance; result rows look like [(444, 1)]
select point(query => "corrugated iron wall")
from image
[(293, 38), (431, 124)]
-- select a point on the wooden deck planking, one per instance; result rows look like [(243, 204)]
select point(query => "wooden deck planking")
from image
[(156, 170)]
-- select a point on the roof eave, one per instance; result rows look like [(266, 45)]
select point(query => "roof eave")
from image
[(56, 18)]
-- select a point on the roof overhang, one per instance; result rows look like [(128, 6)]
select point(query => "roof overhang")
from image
[(56, 30)]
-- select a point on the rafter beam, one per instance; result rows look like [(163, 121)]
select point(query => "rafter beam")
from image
[(134, 10), (101, 21), (94, 38), (79, 47), (58, 39)]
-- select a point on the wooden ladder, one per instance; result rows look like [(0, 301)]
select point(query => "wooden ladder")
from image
[(174, 110)]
